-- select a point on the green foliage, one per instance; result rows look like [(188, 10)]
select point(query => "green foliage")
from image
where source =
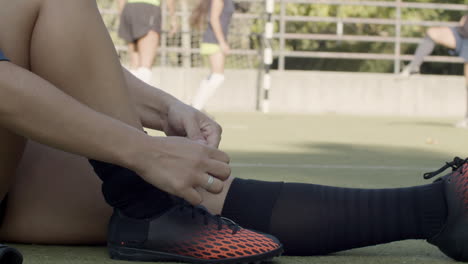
[(352, 11)]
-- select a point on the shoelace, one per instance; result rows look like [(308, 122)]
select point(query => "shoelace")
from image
[(455, 165), (219, 220)]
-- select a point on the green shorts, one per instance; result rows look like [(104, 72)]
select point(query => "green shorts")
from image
[(208, 49)]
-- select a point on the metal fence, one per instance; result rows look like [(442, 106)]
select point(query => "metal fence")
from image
[(186, 49)]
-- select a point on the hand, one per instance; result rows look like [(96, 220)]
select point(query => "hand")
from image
[(179, 166), (186, 121), (225, 48)]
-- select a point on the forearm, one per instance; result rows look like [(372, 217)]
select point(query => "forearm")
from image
[(152, 104), (35, 109)]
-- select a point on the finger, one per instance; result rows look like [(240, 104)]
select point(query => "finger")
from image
[(193, 131), (218, 169), (213, 140), (213, 137), (219, 155), (215, 187), (192, 196)]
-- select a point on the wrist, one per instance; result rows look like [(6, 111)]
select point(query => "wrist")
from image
[(135, 155)]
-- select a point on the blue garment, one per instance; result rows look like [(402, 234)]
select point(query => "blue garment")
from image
[(225, 19), (461, 49), (2, 57)]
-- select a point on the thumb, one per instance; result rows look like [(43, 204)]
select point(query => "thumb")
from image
[(194, 132)]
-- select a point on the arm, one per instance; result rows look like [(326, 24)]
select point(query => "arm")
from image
[(121, 5), (216, 10), (161, 111), (34, 108)]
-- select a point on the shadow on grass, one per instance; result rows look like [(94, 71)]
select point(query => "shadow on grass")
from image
[(366, 166), (424, 123)]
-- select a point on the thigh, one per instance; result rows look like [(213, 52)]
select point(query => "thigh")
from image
[(55, 199), (443, 36), (217, 62), (17, 19)]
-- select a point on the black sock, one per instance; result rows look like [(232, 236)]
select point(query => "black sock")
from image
[(315, 220), (125, 190), (424, 49)]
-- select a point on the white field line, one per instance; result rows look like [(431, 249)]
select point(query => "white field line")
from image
[(328, 166)]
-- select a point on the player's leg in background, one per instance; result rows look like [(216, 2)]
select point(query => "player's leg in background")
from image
[(147, 49), (134, 57), (464, 122), (442, 36), (426, 46), (209, 85)]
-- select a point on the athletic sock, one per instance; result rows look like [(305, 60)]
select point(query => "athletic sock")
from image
[(207, 89), (425, 48), (125, 190), (315, 220)]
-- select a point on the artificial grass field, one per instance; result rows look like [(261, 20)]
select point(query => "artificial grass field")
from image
[(363, 152)]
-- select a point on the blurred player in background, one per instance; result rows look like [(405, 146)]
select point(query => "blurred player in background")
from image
[(454, 38), (140, 27), (215, 46)]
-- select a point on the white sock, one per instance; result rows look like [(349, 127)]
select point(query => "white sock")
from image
[(144, 74), (207, 88)]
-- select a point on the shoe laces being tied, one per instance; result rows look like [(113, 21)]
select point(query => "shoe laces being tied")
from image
[(455, 165), (199, 211)]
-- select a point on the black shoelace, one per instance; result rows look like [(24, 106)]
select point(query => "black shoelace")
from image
[(219, 220), (455, 165)]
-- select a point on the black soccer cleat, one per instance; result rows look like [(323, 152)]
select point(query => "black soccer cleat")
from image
[(452, 240), (188, 234)]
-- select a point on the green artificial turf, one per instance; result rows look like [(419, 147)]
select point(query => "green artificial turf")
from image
[(365, 152)]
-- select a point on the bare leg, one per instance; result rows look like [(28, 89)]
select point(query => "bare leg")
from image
[(10, 155), (91, 73), (147, 48), (464, 122), (442, 36), (87, 70), (466, 86), (15, 45), (134, 56), (62, 194), (217, 61)]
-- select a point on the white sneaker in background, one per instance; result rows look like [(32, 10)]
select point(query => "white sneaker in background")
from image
[(133, 71), (462, 123), (144, 74), (407, 72)]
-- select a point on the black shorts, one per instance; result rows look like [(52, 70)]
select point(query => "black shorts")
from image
[(138, 19), (3, 57)]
